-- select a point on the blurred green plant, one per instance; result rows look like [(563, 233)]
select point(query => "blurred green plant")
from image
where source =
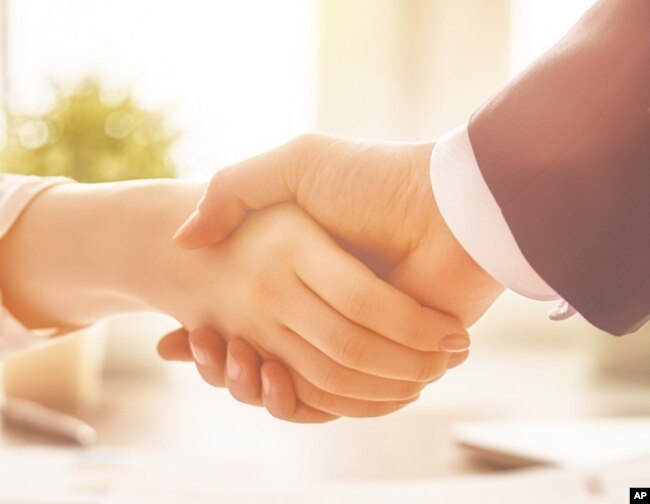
[(90, 136)]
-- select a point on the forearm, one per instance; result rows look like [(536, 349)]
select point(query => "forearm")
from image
[(83, 252), (564, 150)]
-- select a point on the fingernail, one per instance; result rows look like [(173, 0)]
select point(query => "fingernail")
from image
[(199, 355), (266, 385), (233, 369), (187, 225), (455, 343)]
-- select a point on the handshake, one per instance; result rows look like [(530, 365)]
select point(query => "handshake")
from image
[(318, 279), (339, 289)]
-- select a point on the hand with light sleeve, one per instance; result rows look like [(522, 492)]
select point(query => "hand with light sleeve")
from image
[(354, 345)]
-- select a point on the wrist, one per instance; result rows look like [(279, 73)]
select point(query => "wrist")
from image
[(155, 271), (438, 270), (81, 252), (440, 273)]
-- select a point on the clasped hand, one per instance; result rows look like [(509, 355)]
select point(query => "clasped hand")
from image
[(315, 330)]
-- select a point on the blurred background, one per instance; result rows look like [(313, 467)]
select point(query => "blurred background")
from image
[(127, 89)]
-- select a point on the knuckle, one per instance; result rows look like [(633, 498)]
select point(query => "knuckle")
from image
[(417, 334), (279, 241), (334, 380), (374, 409), (264, 284), (428, 369), (409, 390), (264, 289), (304, 141), (318, 399), (400, 391), (438, 367), (356, 302), (218, 180), (276, 236), (351, 352)]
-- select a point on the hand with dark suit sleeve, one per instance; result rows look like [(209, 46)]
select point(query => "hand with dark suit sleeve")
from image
[(547, 188), (565, 150)]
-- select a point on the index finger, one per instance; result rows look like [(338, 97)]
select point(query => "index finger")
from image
[(346, 284)]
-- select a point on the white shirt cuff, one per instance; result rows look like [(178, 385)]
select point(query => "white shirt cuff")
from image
[(475, 219)]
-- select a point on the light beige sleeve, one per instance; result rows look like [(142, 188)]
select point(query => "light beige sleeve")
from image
[(16, 192)]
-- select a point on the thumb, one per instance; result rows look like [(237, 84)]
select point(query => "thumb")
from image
[(252, 184)]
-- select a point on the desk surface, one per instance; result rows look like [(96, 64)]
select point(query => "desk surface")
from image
[(172, 410)]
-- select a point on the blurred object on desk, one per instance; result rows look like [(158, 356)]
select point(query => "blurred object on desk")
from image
[(36, 418), (64, 375), (576, 444), (67, 373)]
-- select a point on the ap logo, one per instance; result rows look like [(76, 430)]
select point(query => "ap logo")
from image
[(639, 495)]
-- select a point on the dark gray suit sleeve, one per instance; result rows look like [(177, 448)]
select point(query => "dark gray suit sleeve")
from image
[(565, 150)]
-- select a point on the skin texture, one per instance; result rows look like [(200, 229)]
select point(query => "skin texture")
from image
[(352, 344), (376, 199)]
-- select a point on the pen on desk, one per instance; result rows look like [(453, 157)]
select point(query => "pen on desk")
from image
[(38, 417)]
